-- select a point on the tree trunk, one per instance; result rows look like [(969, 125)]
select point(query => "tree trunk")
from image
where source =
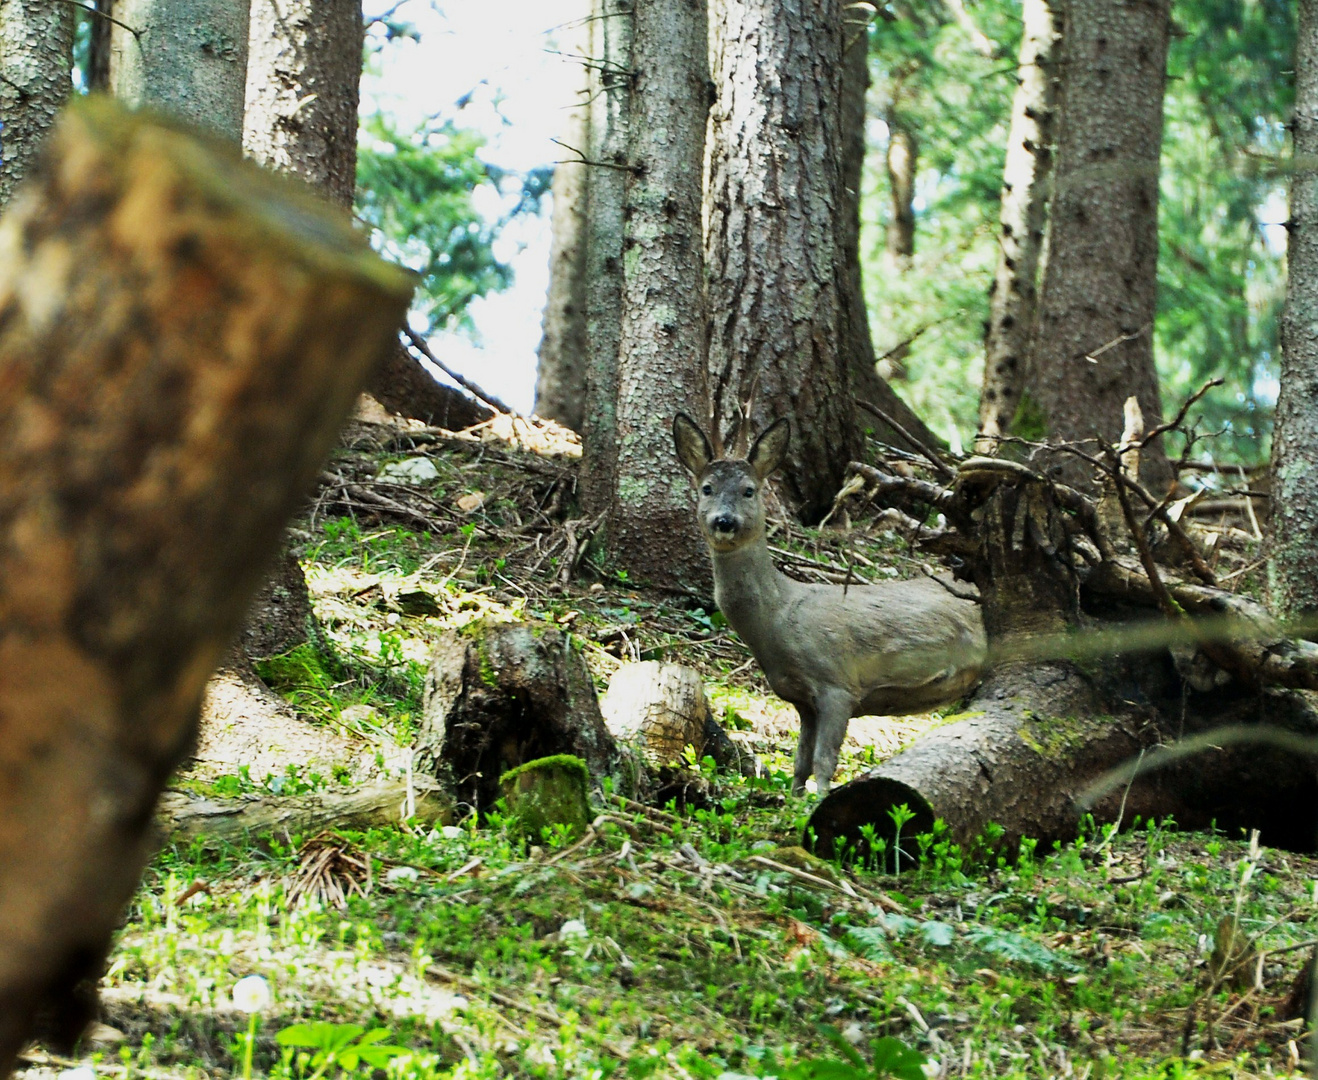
[(36, 61), (98, 47), (652, 528), (560, 386), (610, 103), (226, 325), (1293, 555), (857, 345), (1025, 181), (902, 159), (187, 57), (1093, 345), (404, 387), (774, 265), (303, 75)]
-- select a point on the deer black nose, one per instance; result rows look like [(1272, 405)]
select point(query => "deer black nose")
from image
[(724, 523)]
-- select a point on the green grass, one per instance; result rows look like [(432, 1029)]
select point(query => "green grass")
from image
[(664, 946)]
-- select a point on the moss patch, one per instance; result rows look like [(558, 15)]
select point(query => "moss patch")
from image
[(548, 793)]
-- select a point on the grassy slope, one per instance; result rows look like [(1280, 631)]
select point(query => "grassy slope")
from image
[(666, 946)]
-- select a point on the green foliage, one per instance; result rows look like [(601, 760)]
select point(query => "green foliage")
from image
[(415, 190), (344, 1047)]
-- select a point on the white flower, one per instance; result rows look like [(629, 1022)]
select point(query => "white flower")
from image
[(402, 873), (251, 994)]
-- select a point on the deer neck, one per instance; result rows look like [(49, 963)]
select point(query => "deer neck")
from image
[(749, 590)]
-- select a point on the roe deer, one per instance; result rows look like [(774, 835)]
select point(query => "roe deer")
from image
[(834, 652)]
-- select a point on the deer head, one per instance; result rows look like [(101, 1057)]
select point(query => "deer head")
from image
[(730, 490)]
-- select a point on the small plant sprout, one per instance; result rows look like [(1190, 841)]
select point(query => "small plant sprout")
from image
[(251, 994), (900, 816)]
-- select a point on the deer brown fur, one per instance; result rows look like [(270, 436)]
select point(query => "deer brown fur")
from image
[(834, 652)]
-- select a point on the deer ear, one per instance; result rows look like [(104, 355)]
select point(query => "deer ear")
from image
[(693, 449), (770, 447)]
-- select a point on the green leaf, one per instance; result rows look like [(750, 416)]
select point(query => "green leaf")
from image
[(938, 933), (892, 1057)]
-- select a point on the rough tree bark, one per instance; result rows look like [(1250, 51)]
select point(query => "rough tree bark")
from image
[(303, 76), (773, 204), (1093, 344), (36, 58), (226, 323), (1026, 176), (652, 529), (610, 102), (857, 345), (187, 57), (560, 385), (1293, 554)]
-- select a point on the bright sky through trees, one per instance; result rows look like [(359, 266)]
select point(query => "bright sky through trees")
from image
[(503, 77)]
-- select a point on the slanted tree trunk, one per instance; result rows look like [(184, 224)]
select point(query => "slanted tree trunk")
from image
[(36, 61), (773, 205), (187, 57), (652, 529), (226, 325), (857, 345), (1293, 544), (610, 103), (1093, 345), (303, 76), (560, 385), (1026, 176)]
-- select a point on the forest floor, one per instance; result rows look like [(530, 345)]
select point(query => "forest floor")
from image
[(696, 941)]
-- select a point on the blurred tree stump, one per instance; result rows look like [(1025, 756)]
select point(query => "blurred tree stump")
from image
[(180, 336)]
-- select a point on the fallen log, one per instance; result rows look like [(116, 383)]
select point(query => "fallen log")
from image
[(181, 335), (1038, 736), (1099, 656), (184, 816)]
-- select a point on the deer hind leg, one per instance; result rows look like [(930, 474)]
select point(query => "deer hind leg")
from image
[(805, 749), (833, 712)]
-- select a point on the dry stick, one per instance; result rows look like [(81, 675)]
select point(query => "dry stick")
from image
[(1176, 421), (419, 343), (943, 468)]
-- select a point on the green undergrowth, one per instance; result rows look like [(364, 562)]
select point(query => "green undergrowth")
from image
[(683, 945), (699, 942)]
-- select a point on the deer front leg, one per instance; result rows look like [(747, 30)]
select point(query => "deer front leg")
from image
[(805, 748), (833, 714)]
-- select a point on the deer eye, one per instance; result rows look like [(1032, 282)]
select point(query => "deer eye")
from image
[(708, 489), (749, 493)]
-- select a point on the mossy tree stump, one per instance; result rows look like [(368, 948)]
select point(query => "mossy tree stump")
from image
[(499, 695), (181, 335), (548, 793)]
